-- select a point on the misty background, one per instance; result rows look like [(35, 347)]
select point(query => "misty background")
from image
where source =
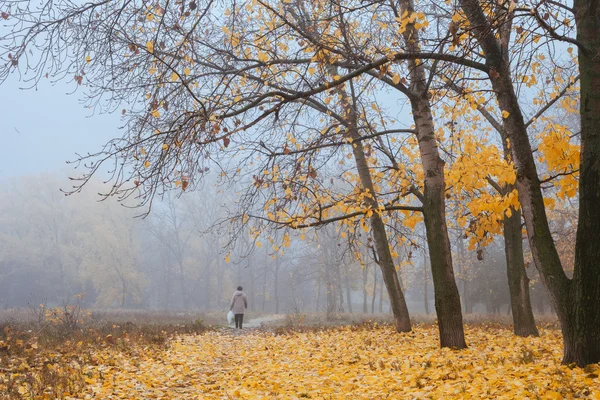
[(53, 246)]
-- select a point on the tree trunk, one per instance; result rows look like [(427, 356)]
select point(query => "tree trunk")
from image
[(575, 301), (518, 282), (425, 284), (252, 288), (582, 341), (365, 283), (318, 296), (330, 298), (348, 291), (276, 285), (381, 299), (264, 291), (374, 291), (380, 238), (447, 298), (207, 285), (340, 288)]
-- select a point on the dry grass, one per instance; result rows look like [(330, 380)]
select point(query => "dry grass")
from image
[(46, 357)]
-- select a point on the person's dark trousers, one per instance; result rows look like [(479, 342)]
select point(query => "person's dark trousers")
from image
[(239, 319)]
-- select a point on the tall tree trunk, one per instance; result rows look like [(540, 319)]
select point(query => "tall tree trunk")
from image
[(425, 283), (381, 299), (447, 298), (318, 295), (184, 294), (365, 283), (348, 290), (340, 288), (264, 287), (575, 301), (380, 238), (252, 290), (583, 342), (374, 291), (518, 282), (207, 285), (276, 285), (329, 287)]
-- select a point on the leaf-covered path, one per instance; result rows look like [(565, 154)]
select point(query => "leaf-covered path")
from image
[(345, 363)]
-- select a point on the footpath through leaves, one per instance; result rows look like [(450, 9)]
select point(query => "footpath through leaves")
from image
[(368, 362)]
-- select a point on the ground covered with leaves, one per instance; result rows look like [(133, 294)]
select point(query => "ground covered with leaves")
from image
[(368, 361)]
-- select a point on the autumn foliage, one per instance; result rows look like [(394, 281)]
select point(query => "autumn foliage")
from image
[(368, 361)]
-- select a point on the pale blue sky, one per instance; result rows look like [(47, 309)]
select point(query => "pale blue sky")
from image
[(41, 129)]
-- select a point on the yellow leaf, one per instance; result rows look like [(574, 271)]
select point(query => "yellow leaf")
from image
[(150, 47), (505, 114), (88, 59), (152, 70), (146, 164), (263, 57), (186, 71), (174, 76), (396, 79), (165, 146)]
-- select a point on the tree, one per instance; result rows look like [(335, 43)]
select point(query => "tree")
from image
[(573, 299)]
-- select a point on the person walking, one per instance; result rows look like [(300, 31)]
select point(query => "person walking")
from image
[(239, 304)]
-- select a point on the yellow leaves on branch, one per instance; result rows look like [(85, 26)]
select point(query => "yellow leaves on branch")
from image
[(345, 363), (263, 57), (561, 155)]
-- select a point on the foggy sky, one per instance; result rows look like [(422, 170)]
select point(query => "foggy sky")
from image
[(41, 129)]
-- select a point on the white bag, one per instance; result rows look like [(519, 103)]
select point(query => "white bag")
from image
[(230, 317)]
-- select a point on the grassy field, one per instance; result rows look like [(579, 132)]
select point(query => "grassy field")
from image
[(192, 355)]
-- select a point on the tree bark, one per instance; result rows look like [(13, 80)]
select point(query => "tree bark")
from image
[(518, 282), (447, 298), (276, 285), (381, 299), (582, 343), (340, 288), (425, 285), (348, 291), (380, 238), (374, 291), (575, 301), (365, 283)]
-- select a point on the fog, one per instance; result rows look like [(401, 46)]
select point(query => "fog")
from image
[(186, 255)]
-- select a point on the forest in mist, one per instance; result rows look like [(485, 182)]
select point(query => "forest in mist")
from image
[(54, 247)]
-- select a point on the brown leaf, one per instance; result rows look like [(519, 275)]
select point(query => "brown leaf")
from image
[(226, 142)]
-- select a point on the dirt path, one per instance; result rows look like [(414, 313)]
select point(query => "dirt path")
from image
[(262, 321)]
